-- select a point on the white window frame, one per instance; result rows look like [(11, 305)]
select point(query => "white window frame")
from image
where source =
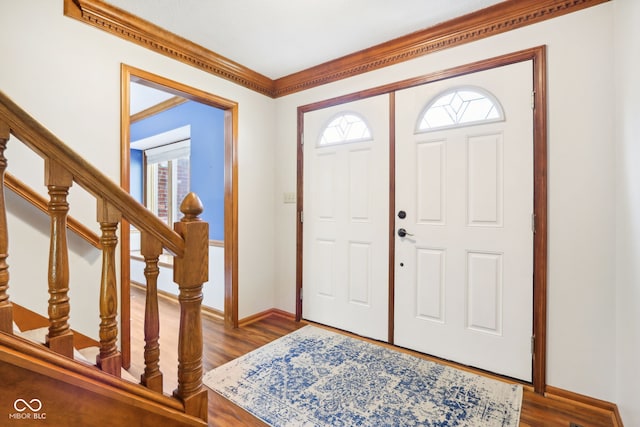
[(154, 156)]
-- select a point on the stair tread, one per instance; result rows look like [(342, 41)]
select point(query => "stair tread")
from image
[(38, 335), (85, 355), (125, 375), (89, 354)]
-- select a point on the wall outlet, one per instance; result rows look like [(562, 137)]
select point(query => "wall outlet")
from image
[(289, 197)]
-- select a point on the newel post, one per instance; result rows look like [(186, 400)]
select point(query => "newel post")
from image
[(190, 271), (6, 309)]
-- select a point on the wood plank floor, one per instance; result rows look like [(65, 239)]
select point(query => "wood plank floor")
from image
[(223, 344)]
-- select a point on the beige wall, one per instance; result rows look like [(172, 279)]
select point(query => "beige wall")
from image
[(627, 65)]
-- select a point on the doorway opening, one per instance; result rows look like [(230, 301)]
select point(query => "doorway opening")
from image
[(176, 139)]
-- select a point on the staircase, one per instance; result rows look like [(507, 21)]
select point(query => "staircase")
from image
[(44, 379), (33, 327)]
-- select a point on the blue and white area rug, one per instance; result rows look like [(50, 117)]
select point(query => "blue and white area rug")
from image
[(315, 377)]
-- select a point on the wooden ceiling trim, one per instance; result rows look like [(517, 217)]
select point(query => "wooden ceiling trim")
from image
[(502, 17), (487, 22), (129, 27)]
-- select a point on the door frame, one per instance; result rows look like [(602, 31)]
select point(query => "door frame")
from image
[(538, 57), (230, 108)]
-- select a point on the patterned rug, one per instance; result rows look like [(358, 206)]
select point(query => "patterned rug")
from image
[(314, 377)]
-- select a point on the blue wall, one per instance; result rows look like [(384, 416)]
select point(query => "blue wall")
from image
[(207, 156)]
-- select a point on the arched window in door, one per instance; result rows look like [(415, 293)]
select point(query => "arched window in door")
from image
[(459, 106), (343, 128)]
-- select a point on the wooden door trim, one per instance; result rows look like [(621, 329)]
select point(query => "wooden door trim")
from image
[(538, 57), (230, 192)]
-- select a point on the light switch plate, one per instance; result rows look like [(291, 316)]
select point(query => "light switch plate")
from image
[(289, 197)]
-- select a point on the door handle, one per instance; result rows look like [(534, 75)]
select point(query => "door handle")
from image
[(403, 233)]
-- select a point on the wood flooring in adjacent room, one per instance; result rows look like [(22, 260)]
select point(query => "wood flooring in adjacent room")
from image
[(223, 344)]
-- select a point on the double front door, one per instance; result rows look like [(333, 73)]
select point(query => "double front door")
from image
[(419, 203)]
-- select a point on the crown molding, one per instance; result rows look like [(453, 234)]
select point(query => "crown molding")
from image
[(129, 27), (487, 22), (502, 17)]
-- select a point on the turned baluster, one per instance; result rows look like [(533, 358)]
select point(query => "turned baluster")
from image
[(60, 336), (109, 359), (151, 249), (6, 308), (190, 271)]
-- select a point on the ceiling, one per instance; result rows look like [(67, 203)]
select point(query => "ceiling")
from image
[(142, 97), (279, 37)]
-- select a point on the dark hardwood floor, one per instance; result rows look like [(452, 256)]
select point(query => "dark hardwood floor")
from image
[(223, 344)]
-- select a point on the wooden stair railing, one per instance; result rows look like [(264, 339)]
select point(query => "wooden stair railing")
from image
[(76, 394), (6, 311), (34, 198), (60, 337), (188, 243)]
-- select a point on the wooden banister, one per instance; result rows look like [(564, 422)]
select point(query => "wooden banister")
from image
[(109, 359), (40, 202), (152, 377), (60, 337), (188, 242), (47, 145), (6, 311), (19, 352)]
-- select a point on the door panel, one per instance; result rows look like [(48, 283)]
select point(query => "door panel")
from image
[(346, 222), (464, 274)]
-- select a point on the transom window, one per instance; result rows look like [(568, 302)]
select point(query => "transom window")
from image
[(461, 106), (344, 128)]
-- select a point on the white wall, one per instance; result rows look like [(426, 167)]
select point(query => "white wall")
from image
[(67, 75), (581, 294), (212, 290), (627, 64)]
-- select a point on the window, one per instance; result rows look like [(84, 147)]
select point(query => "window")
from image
[(458, 107), (344, 128), (167, 179)]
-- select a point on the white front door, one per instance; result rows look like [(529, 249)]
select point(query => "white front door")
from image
[(346, 220), (464, 273)]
